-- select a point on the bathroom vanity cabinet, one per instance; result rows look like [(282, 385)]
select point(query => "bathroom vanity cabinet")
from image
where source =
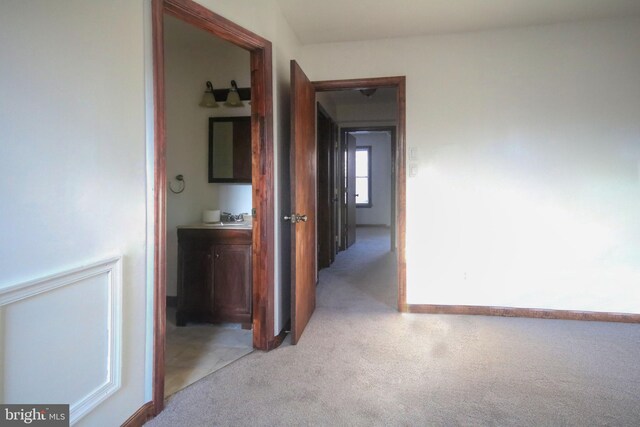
[(214, 275)]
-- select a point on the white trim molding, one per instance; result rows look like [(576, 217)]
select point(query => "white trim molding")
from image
[(112, 269)]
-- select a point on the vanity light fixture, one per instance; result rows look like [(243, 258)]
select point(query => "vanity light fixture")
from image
[(208, 98), (233, 98)]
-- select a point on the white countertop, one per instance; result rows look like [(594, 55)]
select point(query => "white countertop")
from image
[(245, 225)]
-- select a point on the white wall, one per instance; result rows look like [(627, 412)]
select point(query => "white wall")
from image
[(191, 58), (527, 179), (72, 156), (73, 151), (265, 19), (380, 211), (330, 107), (372, 114)]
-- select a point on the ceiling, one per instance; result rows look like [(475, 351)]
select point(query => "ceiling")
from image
[(350, 20)]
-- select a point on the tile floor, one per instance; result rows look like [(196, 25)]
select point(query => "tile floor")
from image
[(196, 350)]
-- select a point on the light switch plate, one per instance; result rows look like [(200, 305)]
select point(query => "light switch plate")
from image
[(413, 153)]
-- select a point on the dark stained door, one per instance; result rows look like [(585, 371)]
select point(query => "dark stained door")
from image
[(351, 189), (334, 180), (342, 184), (324, 216), (303, 201)]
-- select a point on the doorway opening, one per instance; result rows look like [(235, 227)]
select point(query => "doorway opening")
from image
[(208, 142), (260, 243), (362, 218), (398, 163), (372, 177)]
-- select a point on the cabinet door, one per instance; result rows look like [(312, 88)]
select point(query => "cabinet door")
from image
[(194, 283), (232, 283)]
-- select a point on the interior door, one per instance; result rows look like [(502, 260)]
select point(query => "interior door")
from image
[(323, 216), (303, 201), (342, 179), (335, 166), (351, 189)]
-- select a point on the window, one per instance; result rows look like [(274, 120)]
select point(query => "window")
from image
[(363, 177)]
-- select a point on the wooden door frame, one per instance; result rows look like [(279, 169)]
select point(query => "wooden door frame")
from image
[(392, 133), (342, 176), (349, 194), (263, 247), (399, 83)]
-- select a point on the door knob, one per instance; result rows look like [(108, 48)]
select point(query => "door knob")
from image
[(295, 218)]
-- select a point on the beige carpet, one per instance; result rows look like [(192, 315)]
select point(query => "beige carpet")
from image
[(362, 363)]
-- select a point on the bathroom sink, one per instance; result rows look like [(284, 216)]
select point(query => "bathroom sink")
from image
[(239, 224)]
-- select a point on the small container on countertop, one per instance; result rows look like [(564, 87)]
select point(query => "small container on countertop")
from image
[(210, 216)]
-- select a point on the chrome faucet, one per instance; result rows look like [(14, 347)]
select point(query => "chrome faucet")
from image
[(229, 217)]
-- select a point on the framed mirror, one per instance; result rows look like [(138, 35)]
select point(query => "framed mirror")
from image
[(230, 149)]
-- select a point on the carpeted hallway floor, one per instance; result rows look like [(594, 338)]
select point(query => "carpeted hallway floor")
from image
[(360, 362)]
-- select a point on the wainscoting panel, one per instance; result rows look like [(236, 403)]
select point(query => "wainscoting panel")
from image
[(60, 338)]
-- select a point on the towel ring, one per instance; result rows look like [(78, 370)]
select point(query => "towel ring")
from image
[(180, 179)]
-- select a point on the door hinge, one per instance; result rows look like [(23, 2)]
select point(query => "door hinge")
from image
[(253, 213)]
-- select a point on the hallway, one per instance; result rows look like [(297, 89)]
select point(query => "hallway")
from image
[(360, 362), (366, 270)]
